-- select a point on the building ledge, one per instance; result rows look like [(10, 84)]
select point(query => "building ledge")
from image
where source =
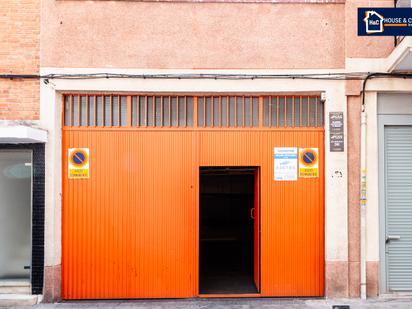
[(400, 60), (15, 286), (13, 300), (22, 135)]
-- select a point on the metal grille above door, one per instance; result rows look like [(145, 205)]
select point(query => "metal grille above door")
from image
[(162, 111), (188, 112), (228, 111), (95, 111), (292, 111)]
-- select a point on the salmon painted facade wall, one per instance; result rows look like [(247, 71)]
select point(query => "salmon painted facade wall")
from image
[(192, 35), (364, 47), (169, 35)]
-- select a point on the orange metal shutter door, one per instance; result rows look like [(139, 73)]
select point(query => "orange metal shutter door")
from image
[(129, 230)]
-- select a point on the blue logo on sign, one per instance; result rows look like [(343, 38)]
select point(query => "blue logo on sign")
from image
[(385, 21)]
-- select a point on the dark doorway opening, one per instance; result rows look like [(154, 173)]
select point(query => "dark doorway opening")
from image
[(226, 244)]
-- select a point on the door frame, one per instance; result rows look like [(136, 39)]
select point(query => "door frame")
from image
[(383, 121), (227, 295), (257, 226), (29, 151), (37, 211)]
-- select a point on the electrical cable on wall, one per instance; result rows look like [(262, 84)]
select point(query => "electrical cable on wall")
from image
[(327, 76), (320, 76), (365, 76), (380, 75)]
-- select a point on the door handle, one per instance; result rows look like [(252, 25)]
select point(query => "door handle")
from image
[(252, 213), (392, 237)]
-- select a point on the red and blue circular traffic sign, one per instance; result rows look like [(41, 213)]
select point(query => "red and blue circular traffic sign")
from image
[(308, 157), (79, 158)]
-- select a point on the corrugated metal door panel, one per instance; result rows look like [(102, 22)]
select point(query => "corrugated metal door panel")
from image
[(292, 213), (292, 222), (398, 196), (130, 230), (229, 148)]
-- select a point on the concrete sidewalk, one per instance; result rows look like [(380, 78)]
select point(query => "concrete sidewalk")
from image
[(245, 303)]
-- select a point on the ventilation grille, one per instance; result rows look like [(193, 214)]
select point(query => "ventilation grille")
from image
[(173, 111), (292, 111), (162, 111), (100, 111)]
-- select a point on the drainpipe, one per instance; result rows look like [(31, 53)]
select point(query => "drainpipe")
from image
[(363, 202)]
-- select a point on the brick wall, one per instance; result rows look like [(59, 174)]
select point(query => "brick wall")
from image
[(19, 54)]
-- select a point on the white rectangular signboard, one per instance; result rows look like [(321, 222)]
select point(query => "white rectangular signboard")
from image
[(286, 163)]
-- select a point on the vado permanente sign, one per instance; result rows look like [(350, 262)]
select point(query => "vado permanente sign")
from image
[(385, 21)]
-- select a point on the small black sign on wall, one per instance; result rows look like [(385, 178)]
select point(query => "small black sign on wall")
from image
[(340, 307), (336, 132)]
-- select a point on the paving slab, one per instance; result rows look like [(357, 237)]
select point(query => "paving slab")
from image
[(239, 303)]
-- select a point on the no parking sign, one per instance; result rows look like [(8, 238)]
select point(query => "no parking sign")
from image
[(78, 163), (308, 162)]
